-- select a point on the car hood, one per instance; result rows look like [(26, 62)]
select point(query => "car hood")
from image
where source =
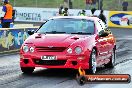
[(56, 40)]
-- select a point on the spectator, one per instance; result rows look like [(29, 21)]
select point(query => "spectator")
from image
[(102, 17), (125, 5), (65, 12), (7, 11), (60, 10), (88, 4), (83, 13), (13, 15), (94, 3), (93, 11)]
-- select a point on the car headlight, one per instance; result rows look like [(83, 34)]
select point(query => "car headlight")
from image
[(69, 50), (25, 49), (78, 50), (31, 49)]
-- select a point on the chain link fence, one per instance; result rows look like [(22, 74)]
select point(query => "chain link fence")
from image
[(76, 4)]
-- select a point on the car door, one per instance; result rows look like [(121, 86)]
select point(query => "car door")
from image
[(102, 43)]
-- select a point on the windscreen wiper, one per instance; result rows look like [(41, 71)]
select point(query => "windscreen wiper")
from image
[(81, 33), (55, 32)]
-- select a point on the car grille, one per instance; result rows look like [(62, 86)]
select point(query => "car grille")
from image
[(50, 62), (50, 49)]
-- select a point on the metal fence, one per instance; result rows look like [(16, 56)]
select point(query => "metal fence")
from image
[(76, 4)]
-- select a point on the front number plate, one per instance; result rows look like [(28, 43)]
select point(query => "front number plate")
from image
[(48, 57)]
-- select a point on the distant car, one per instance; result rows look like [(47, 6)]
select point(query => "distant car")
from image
[(129, 21), (69, 42)]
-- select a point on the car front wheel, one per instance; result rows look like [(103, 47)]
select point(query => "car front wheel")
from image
[(27, 70), (92, 62)]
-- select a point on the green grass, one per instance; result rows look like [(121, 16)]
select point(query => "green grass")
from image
[(77, 4)]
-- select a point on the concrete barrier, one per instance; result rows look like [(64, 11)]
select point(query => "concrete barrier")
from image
[(11, 39)]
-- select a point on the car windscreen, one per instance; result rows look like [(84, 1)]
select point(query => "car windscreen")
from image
[(68, 26)]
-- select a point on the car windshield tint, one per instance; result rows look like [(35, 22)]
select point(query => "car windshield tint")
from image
[(68, 26)]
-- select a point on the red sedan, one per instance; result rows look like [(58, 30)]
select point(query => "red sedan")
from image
[(69, 42)]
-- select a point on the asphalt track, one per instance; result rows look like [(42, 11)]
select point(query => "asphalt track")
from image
[(12, 77)]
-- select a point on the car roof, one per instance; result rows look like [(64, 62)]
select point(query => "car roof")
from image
[(76, 17)]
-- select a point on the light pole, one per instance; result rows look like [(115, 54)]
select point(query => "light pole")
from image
[(68, 3), (119, 5), (100, 4), (36, 3), (14, 3)]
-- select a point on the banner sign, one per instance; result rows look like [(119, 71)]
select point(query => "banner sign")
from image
[(25, 14), (120, 19), (33, 14), (12, 39)]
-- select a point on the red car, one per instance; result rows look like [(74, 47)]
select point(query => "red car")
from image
[(69, 42)]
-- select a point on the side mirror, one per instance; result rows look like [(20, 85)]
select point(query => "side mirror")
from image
[(30, 32), (108, 30), (104, 34)]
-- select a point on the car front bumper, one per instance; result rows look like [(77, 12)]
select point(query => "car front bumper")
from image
[(62, 61)]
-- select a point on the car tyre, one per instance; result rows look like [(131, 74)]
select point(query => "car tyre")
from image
[(128, 22), (92, 62), (111, 64), (27, 70)]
